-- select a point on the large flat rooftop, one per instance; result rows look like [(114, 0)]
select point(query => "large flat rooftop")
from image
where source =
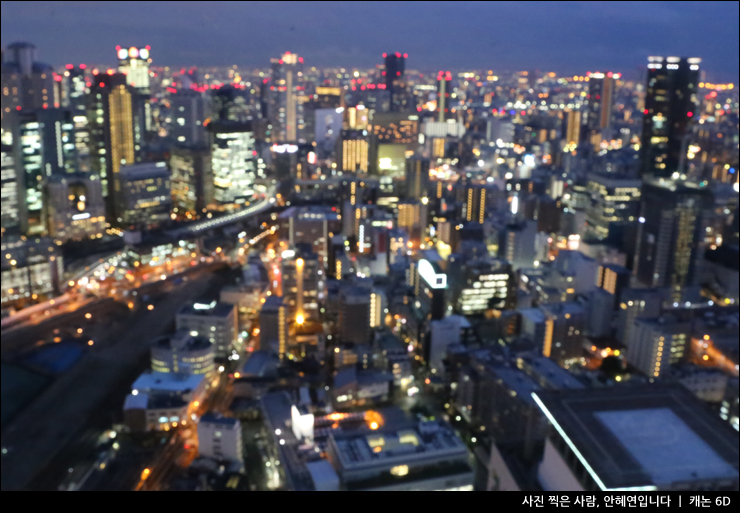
[(389, 446), (167, 382), (643, 436)]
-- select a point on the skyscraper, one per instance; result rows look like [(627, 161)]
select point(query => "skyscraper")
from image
[(417, 178), (352, 151), (671, 239), (44, 147), (26, 84), (614, 199), (444, 86), (112, 133), (11, 193), (572, 128), (670, 105), (74, 207), (391, 136), (134, 63), (233, 162), (354, 316), (601, 92), (190, 109), (287, 113), (395, 66), (191, 179), (74, 91)]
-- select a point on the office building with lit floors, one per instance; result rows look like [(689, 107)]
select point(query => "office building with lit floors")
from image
[(233, 162), (274, 325), (143, 196), (115, 136), (599, 105), (352, 151), (304, 283), (658, 344), (557, 330), (671, 105), (191, 180), (217, 322), (74, 207), (220, 438), (614, 199), (671, 238), (12, 190), (482, 285), (183, 353), (428, 456), (30, 268), (26, 83), (635, 439), (44, 146)]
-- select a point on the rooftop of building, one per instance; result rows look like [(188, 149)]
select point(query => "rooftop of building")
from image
[(212, 309), (214, 418), (564, 308), (143, 401), (349, 375), (259, 364), (144, 170), (272, 304), (643, 436), (181, 340), (136, 402), (515, 381), (389, 444), (555, 376), (167, 382), (311, 213), (533, 314)]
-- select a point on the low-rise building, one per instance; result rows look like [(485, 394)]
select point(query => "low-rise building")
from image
[(190, 388), (183, 353), (220, 438), (359, 388), (215, 321), (428, 456), (145, 412)]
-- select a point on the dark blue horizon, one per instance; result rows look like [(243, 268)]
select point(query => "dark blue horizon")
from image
[(565, 37)]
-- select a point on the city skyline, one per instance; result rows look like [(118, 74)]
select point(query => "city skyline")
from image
[(569, 38), (372, 247)]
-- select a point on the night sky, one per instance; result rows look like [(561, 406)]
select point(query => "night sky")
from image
[(566, 37)]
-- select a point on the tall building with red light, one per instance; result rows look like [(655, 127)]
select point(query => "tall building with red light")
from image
[(395, 67), (671, 102), (26, 84), (134, 63), (444, 79), (601, 92)]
